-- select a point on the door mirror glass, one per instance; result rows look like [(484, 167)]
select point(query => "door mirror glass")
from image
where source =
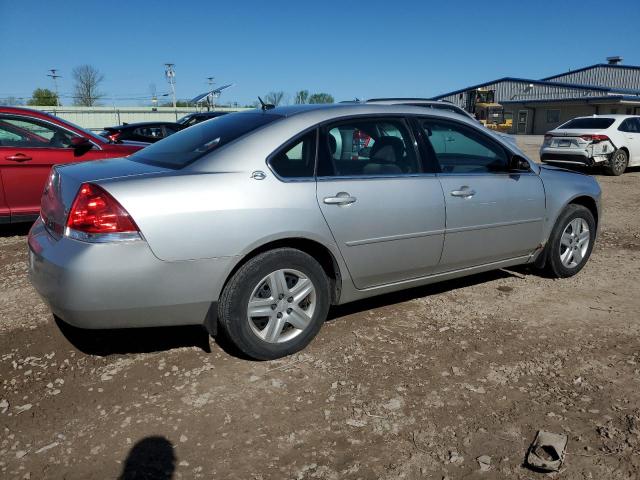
[(519, 164)]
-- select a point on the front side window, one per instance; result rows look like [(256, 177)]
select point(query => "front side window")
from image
[(188, 145), (461, 149), (368, 147), (149, 132), (31, 133), (297, 159)]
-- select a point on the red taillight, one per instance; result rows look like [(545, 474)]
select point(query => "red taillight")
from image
[(51, 207), (114, 136), (95, 211), (594, 138)]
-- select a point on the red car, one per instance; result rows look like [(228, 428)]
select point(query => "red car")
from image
[(30, 143)]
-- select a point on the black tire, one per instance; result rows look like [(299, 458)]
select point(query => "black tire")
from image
[(617, 163), (554, 249), (233, 304)]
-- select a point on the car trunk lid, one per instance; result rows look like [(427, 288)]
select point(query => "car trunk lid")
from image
[(65, 181)]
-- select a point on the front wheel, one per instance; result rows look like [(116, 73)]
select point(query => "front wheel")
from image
[(617, 163), (571, 241), (275, 304)]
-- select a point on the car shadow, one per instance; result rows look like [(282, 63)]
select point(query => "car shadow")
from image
[(389, 299), (148, 340), (15, 229), (152, 457), (134, 340)]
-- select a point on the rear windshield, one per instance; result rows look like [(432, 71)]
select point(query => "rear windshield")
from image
[(589, 123), (186, 146)]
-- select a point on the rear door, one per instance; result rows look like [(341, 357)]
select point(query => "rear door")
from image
[(630, 129), (492, 214), (28, 148), (386, 215)]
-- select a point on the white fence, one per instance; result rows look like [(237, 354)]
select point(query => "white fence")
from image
[(96, 118)]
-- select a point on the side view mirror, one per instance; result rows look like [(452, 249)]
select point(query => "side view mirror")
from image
[(80, 145), (519, 164)]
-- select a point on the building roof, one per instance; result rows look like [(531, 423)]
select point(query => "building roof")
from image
[(596, 79)]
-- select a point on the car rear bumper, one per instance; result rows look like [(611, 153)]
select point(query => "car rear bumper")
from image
[(122, 285), (575, 156)]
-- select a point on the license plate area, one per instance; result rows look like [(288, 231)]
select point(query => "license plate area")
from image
[(564, 143)]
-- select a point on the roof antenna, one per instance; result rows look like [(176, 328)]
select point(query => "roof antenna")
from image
[(266, 106)]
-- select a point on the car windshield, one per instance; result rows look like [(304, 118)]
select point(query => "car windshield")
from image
[(186, 146), (186, 118), (593, 123)]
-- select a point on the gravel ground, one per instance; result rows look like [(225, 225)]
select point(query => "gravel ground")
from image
[(417, 384)]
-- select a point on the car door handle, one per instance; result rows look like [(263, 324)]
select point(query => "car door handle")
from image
[(18, 157), (464, 192), (342, 198)]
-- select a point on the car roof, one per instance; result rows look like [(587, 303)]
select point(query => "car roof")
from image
[(330, 110), (613, 115), (29, 111)]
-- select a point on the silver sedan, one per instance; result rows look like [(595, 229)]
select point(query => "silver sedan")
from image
[(255, 223)]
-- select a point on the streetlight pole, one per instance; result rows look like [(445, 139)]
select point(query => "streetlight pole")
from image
[(209, 99), (55, 78)]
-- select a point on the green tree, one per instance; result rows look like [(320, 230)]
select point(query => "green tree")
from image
[(302, 96), (321, 98), (43, 96)]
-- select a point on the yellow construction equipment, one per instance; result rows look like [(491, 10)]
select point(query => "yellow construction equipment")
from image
[(481, 103)]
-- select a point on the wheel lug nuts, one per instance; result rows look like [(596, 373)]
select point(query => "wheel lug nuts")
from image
[(290, 299), (279, 315), (281, 296), (274, 306), (289, 310)]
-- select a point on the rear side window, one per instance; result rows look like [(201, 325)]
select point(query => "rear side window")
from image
[(594, 123), (631, 125), (188, 145), (297, 159), (367, 147), (461, 149)]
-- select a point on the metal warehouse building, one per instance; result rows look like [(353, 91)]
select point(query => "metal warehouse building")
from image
[(527, 106)]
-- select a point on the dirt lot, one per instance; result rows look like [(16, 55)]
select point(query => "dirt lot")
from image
[(411, 385)]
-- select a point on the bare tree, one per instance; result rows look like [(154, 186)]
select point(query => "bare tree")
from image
[(275, 98), (321, 98), (87, 80)]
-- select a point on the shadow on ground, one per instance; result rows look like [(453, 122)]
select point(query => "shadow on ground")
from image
[(16, 229), (134, 340), (151, 458), (424, 291), (147, 340)]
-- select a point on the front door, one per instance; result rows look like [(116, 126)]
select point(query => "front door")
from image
[(492, 214), (523, 119), (28, 149), (386, 216)]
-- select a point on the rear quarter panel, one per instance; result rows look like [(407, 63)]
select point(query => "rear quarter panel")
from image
[(189, 216)]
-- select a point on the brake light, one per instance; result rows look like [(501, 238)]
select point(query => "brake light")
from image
[(51, 207), (594, 138), (114, 136), (94, 211)]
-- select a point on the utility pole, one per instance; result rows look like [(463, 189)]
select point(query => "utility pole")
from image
[(170, 73), (209, 99), (55, 78)]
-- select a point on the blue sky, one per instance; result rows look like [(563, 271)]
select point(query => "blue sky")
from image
[(349, 49)]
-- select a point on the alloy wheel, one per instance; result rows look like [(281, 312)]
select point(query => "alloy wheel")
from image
[(281, 305), (574, 242)]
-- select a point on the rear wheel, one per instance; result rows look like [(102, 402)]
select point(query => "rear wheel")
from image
[(617, 163), (275, 304), (571, 241)]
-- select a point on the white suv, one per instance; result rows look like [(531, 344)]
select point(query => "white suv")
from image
[(611, 141)]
